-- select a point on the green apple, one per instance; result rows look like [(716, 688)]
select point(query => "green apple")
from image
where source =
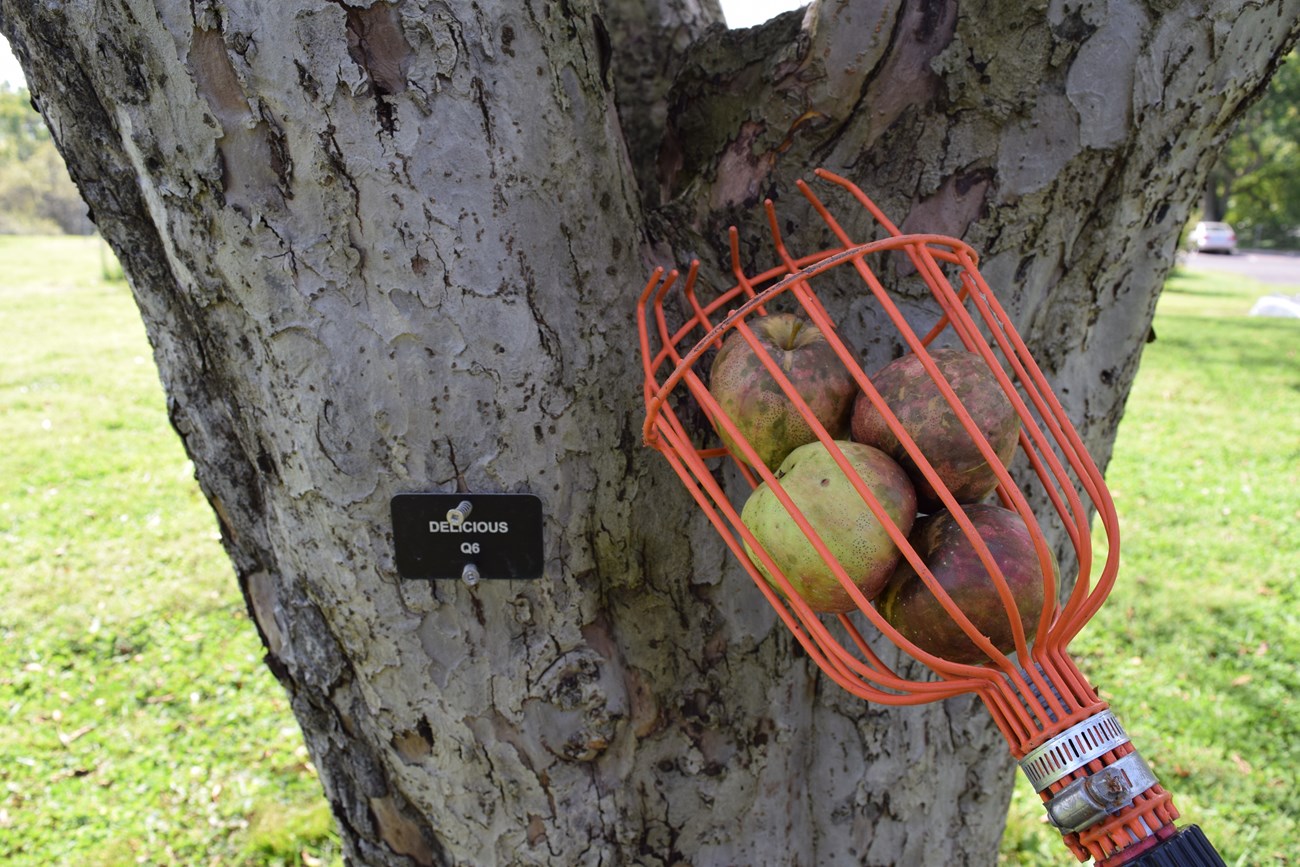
[(839, 515)]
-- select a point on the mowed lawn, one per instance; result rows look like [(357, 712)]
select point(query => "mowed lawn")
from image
[(138, 724), (1198, 648)]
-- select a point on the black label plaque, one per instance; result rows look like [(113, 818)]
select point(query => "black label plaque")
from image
[(500, 535)]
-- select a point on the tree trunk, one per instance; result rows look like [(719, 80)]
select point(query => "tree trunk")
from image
[(1214, 198), (395, 246)]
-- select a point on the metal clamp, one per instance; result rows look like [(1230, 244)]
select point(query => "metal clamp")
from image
[(1072, 749), (1089, 800)]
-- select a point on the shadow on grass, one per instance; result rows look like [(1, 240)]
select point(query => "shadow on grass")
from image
[(1241, 354), (1196, 285)]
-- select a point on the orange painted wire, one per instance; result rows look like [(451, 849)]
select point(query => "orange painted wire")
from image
[(1031, 698)]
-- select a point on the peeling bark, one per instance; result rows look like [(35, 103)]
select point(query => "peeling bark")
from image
[(394, 246)]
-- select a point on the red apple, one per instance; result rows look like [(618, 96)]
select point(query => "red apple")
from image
[(753, 399), (909, 606), (928, 418), (839, 515)]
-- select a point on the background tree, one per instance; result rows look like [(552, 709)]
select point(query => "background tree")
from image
[(21, 129), (1255, 183), (394, 246), (36, 193)]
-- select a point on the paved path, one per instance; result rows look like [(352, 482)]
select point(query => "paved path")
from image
[(1281, 268)]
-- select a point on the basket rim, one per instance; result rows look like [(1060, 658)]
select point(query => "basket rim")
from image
[(826, 260)]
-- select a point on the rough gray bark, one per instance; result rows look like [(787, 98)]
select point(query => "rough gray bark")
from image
[(384, 247)]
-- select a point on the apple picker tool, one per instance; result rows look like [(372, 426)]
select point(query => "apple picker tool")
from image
[(1096, 787)]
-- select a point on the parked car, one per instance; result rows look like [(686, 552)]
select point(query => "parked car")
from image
[(1208, 237)]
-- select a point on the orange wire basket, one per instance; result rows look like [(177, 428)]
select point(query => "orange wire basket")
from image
[(1097, 789)]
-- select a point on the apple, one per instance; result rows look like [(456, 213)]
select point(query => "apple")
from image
[(839, 515), (927, 417), (909, 606), (753, 399)]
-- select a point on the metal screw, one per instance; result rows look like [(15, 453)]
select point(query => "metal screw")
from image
[(469, 574), (460, 513)]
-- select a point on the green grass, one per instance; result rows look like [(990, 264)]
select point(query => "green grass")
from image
[(138, 724), (1198, 647)]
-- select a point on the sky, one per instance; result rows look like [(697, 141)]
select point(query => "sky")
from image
[(740, 13), (9, 69), (747, 13)]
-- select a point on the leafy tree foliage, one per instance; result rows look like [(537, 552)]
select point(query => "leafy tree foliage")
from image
[(1255, 185), (36, 194), (21, 128)]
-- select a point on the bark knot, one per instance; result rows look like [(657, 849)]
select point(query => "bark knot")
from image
[(578, 706)]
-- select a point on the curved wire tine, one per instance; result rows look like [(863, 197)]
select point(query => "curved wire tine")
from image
[(956, 678), (1038, 391), (1050, 613), (642, 330), (822, 319), (921, 256), (897, 536), (850, 662), (801, 290), (872, 668), (688, 291), (876, 214), (667, 344), (719, 419), (1030, 432), (943, 292), (944, 689), (824, 213), (777, 241), (742, 280), (1082, 604), (652, 360)]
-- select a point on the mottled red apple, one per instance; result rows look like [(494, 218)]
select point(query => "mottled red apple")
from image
[(929, 419), (909, 606), (753, 399)]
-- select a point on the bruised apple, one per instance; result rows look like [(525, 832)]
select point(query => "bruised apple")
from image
[(909, 606), (839, 515), (931, 422), (754, 400)]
